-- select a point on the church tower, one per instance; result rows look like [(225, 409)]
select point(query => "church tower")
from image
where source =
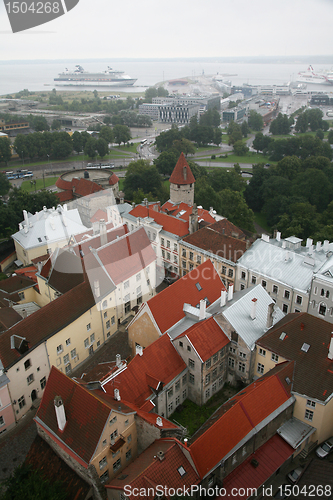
[(182, 183)]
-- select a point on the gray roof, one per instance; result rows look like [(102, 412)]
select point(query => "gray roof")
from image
[(238, 313), (294, 432), (47, 226), (293, 268)]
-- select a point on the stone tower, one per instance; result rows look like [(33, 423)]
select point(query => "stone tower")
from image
[(182, 183)]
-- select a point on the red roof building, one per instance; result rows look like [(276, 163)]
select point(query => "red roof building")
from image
[(240, 426), (182, 183), (183, 211)]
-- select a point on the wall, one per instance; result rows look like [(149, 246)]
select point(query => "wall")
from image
[(142, 331), (322, 416), (6, 410)]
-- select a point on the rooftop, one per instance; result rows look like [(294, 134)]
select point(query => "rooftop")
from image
[(182, 173), (169, 223)]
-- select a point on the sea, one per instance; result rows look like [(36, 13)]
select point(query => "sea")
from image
[(39, 75)]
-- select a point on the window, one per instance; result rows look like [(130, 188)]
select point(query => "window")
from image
[(184, 264), (184, 394), (103, 463), (223, 270), (66, 359), (168, 256), (105, 315), (181, 344), (170, 393), (2, 421), (126, 285), (175, 259), (322, 292), (88, 327), (113, 420), (170, 407), (308, 415), (275, 357), (231, 362), (327, 294), (214, 387), (191, 266), (27, 364), (242, 287), (221, 366), (177, 386), (21, 402), (254, 280), (86, 343), (163, 254), (285, 308), (262, 352), (113, 435), (287, 294), (168, 243), (208, 363), (191, 378), (42, 382), (220, 381), (68, 342), (264, 283), (177, 401), (59, 348), (232, 349), (127, 307), (207, 393), (198, 259), (230, 273), (184, 253), (30, 379), (184, 381), (275, 289), (189, 348), (113, 320), (298, 299), (129, 455), (322, 309), (175, 247), (104, 477), (129, 438), (68, 368), (310, 403), (241, 367), (73, 353), (207, 378), (260, 368), (191, 255), (221, 352), (242, 355), (162, 242), (105, 304), (107, 324), (138, 277), (126, 422), (21, 295), (243, 275), (191, 363)]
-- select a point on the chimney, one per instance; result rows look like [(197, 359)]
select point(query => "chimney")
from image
[(102, 232), (159, 421), (278, 236), (269, 322), (25, 215), (184, 173), (97, 288), (24, 313), (202, 310), (118, 360), (265, 237), (138, 350), (330, 349), (287, 256), (223, 298), (116, 394), (318, 245), (60, 412), (185, 442), (230, 291), (254, 308), (326, 245), (309, 242), (160, 455)]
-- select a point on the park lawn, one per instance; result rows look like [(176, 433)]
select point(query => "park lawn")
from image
[(127, 149), (27, 186), (249, 158)]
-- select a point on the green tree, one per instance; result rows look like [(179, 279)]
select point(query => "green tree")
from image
[(150, 93), (102, 147), (240, 148), (245, 128), (301, 221), (255, 121), (5, 185), (55, 125), (166, 162), (302, 123), (121, 134), (235, 209), (183, 146), (31, 485), (280, 126), (61, 149), (210, 118), (141, 175), (261, 142), (234, 132), (5, 150), (330, 136), (77, 141), (90, 147)]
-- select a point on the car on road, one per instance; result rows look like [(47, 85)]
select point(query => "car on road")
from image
[(325, 448), (294, 475)]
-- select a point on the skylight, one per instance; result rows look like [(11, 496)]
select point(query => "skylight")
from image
[(181, 471), (305, 347), (199, 287), (282, 336)]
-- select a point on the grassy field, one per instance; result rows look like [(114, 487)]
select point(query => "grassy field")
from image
[(49, 181), (249, 158)]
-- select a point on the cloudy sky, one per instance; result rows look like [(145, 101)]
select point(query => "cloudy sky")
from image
[(175, 28)]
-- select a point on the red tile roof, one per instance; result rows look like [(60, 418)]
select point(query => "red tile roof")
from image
[(86, 415), (95, 241), (147, 470), (47, 321), (314, 370), (241, 414), (64, 196), (270, 456), (16, 283), (169, 223), (177, 176), (211, 240), (175, 209), (227, 228), (207, 338), (113, 179), (127, 255), (160, 361), (100, 214), (84, 187), (28, 272), (167, 306)]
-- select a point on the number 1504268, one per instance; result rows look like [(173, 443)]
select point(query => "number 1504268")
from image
[(33, 7)]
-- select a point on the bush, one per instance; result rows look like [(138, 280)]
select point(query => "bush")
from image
[(213, 157)]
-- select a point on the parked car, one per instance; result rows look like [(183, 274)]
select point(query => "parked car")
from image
[(325, 448), (294, 475), (170, 279)]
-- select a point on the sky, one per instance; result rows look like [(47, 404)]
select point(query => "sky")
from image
[(175, 28)]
